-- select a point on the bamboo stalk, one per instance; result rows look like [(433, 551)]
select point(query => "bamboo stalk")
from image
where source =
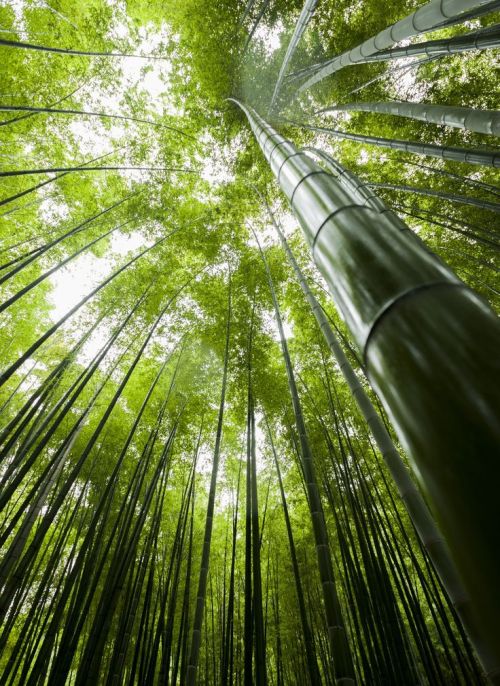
[(467, 118), (407, 312), (424, 19)]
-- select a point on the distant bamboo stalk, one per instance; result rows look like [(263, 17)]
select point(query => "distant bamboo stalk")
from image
[(300, 27), (50, 170), (67, 51), (450, 197), (53, 110)]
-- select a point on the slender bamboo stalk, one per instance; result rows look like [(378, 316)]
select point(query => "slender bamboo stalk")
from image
[(207, 539), (263, 8), (32, 255), (26, 289), (50, 170), (32, 189), (260, 644), (444, 152), (341, 651), (40, 341), (66, 51), (450, 197), (312, 664), (102, 115), (300, 27)]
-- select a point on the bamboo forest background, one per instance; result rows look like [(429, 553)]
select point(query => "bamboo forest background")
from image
[(190, 491)]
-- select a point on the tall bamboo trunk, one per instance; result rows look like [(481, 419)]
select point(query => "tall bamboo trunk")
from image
[(422, 519), (430, 346)]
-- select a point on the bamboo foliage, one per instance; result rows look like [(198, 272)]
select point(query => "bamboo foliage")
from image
[(132, 551)]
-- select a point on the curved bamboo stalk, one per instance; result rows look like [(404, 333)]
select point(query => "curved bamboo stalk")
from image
[(300, 27), (424, 19), (407, 311), (475, 13), (482, 121), (443, 152), (482, 39), (87, 113), (50, 170), (66, 51), (51, 104)]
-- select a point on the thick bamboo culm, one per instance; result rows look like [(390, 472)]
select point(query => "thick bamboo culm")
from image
[(419, 328)]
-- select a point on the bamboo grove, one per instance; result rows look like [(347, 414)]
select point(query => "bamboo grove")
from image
[(249, 352)]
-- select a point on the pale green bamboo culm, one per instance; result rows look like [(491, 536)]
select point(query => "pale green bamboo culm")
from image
[(444, 152), (430, 347), (300, 27), (424, 19), (419, 513), (482, 39), (467, 118)]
